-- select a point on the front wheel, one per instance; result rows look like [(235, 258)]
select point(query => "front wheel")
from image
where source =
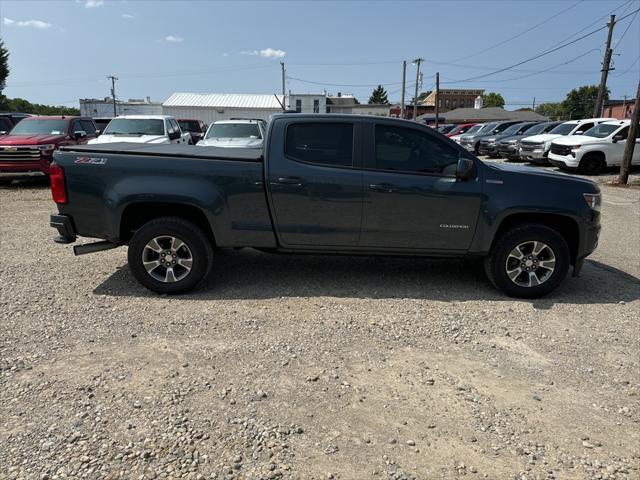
[(170, 255), (592, 164), (528, 261)]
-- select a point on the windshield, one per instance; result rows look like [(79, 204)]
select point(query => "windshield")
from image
[(564, 129), (474, 129), (135, 126), (189, 125), (601, 131), (41, 127), (446, 128), (234, 130), (538, 128), (513, 129), (488, 127)]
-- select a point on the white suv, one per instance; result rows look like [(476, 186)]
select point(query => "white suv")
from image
[(235, 133), (153, 129), (595, 149), (535, 149)]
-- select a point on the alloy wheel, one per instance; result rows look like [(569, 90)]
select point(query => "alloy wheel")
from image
[(530, 264), (167, 259)]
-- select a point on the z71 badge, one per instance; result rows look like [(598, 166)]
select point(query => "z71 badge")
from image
[(91, 160)]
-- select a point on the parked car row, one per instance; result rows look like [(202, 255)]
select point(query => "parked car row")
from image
[(29, 145), (587, 145)]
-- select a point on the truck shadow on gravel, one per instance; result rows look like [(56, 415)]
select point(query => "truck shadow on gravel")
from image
[(16, 182), (253, 275)]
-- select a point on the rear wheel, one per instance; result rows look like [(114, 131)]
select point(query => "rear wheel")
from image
[(528, 261), (170, 255), (592, 164)]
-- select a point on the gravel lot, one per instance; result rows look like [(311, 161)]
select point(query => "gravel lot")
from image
[(314, 367)]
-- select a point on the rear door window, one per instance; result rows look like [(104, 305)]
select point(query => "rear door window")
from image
[(409, 150), (321, 143)]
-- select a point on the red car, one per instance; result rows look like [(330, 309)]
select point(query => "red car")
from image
[(30, 145), (460, 129)]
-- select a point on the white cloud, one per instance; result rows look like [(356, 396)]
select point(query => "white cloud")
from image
[(128, 16), (271, 53), (39, 24), (93, 3), (225, 54), (265, 53), (173, 39)]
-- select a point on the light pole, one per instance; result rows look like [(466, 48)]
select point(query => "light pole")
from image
[(416, 62)]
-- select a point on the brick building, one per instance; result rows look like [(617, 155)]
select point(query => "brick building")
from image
[(452, 98)]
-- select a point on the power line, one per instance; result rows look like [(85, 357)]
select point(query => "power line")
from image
[(541, 54), (543, 71), (521, 33), (625, 31), (344, 84)]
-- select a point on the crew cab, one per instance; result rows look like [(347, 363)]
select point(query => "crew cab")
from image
[(155, 129), (599, 147), (471, 141), (324, 184), (535, 149), (30, 145), (489, 145), (509, 147)]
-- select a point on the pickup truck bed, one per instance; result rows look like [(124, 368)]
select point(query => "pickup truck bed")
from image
[(340, 184)]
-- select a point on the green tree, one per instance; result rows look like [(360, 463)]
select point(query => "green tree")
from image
[(580, 101), (24, 106), (555, 111), (379, 96), (4, 65), (493, 99)]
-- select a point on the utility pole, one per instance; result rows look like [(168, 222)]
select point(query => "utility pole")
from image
[(404, 79), (113, 93), (534, 104), (415, 98), (283, 86), (631, 141), (437, 109), (624, 107), (605, 69)]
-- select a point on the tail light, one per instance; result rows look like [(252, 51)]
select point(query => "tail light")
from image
[(58, 188)]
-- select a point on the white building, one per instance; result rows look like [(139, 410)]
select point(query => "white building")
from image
[(210, 107), (307, 102), (103, 107)]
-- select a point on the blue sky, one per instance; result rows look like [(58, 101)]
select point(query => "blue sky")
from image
[(63, 50)]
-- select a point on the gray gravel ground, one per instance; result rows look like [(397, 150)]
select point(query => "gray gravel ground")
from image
[(314, 367)]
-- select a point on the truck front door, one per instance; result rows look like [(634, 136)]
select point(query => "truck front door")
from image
[(412, 198), (314, 185)]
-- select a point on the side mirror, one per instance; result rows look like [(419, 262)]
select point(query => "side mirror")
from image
[(174, 136), (79, 134), (579, 132), (466, 169), (3, 132), (618, 138), (98, 132)]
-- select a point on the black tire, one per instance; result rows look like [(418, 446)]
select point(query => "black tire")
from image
[(496, 263), (198, 249), (591, 164)]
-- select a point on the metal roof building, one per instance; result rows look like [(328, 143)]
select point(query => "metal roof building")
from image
[(210, 107)]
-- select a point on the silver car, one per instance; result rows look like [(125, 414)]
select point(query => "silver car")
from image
[(235, 133)]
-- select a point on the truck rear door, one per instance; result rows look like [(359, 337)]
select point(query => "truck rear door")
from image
[(412, 198), (314, 183)]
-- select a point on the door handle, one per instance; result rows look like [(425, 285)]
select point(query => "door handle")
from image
[(382, 187), (293, 181)]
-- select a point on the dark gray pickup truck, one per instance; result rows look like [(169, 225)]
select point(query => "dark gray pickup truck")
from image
[(324, 184)]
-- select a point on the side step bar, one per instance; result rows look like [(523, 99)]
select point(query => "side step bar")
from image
[(93, 247)]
